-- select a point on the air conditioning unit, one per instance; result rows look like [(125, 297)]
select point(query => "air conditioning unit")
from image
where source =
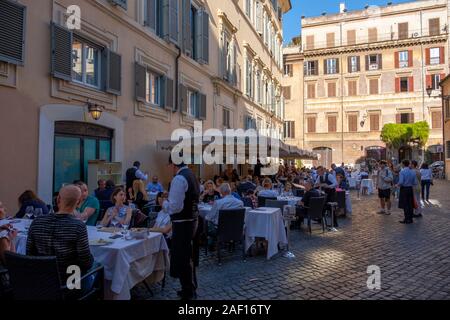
[(373, 66), (415, 34)]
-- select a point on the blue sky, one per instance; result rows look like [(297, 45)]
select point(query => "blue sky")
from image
[(311, 8)]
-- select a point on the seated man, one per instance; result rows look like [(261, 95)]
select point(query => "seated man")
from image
[(310, 192), (155, 186), (228, 202), (246, 185), (62, 235)]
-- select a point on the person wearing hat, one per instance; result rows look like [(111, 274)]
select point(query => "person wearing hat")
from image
[(182, 205)]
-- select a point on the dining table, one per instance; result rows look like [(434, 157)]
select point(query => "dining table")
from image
[(126, 261)]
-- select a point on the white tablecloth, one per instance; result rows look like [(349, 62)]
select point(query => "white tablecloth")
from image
[(352, 182), (265, 223), (292, 201), (126, 262), (367, 183)]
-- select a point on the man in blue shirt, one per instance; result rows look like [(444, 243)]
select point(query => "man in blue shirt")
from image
[(408, 180), (155, 186)]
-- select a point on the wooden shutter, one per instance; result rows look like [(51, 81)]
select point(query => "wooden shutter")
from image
[(113, 73), (311, 91), (349, 64), (330, 40), (287, 93), (331, 89), (380, 61), (397, 85), (151, 13), (398, 118), (403, 30), (358, 63), (411, 84), (292, 125), (367, 62), (442, 55), (168, 93), (436, 119), (173, 20), (373, 84), (397, 59), (141, 81), (310, 42), (427, 56), (62, 40), (316, 67), (434, 26), (186, 30), (183, 97), (332, 124), (203, 107), (352, 123), (410, 58), (325, 69), (337, 65), (12, 32), (352, 88), (373, 34), (411, 117), (203, 51), (374, 122), (311, 125), (166, 19), (428, 80), (351, 37)]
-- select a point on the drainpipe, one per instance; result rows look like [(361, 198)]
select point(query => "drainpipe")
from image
[(177, 79)]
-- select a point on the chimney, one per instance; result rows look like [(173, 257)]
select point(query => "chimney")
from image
[(342, 8)]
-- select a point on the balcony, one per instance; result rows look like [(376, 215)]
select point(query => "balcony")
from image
[(379, 39)]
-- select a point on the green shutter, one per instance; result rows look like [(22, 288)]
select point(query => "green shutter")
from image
[(150, 20), (121, 3), (141, 80), (203, 37), (61, 65), (186, 18), (113, 73), (168, 93), (202, 109), (183, 97), (12, 32)]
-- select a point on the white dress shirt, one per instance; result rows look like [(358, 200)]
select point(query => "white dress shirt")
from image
[(228, 202), (331, 179), (178, 188), (140, 175)]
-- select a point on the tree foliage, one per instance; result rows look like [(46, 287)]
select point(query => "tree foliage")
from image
[(400, 135)]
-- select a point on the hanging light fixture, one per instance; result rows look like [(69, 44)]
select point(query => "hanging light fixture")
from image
[(95, 110)]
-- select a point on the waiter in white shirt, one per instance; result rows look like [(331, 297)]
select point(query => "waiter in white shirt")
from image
[(182, 205)]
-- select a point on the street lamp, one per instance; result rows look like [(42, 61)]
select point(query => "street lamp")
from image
[(429, 91), (95, 110)]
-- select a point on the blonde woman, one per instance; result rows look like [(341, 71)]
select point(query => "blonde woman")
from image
[(140, 197), (267, 192), (209, 195)]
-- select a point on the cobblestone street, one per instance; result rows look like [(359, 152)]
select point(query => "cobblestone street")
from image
[(414, 260)]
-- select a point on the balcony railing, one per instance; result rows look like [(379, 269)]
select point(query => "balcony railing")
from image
[(380, 37)]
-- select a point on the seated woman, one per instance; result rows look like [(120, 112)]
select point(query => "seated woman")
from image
[(287, 191), (30, 199), (210, 194), (267, 192), (120, 214), (140, 197), (163, 223)]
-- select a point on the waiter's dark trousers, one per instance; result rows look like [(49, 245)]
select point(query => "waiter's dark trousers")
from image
[(406, 202), (181, 265)]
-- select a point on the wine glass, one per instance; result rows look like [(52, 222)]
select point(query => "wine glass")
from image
[(38, 212), (114, 222), (29, 212), (125, 230)]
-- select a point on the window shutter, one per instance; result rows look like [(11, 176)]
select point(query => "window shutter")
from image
[(349, 64), (141, 81), (205, 37), (183, 99), (398, 118), (367, 63), (151, 13), (442, 55), (397, 59), (168, 93), (202, 113), (287, 93), (121, 3), (411, 84), (411, 118), (374, 122), (186, 20), (410, 58), (112, 72), (358, 63), (173, 20), (397, 85), (247, 7), (428, 80), (325, 71), (427, 56), (292, 129), (62, 39), (337, 65), (259, 17), (316, 68), (380, 61), (12, 32), (166, 19)]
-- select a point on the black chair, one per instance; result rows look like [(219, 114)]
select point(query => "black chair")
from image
[(276, 204), (37, 278), (298, 192), (315, 210), (5, 287), (262, 201), (230, 228), (138, 219), (248, 202)]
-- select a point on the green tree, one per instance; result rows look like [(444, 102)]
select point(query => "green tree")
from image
[(399, 135)]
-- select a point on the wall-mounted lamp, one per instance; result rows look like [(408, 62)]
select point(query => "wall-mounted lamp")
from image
[(95, 110), (363, 122)]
